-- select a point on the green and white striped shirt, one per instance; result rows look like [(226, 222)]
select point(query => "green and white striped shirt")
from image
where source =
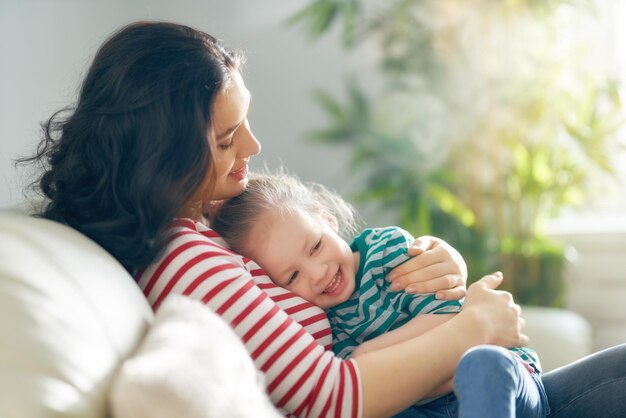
[(374, 308)]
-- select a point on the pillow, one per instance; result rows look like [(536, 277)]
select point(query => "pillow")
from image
[(190, 364)]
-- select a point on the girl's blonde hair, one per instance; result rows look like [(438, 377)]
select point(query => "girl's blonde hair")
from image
[(283, 193)]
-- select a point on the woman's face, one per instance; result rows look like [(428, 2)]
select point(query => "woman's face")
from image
[(234, 141), (234, 145)]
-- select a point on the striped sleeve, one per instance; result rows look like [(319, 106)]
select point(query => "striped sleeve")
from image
[(310, 316), (393, 242), (383, 249), (528, 355), (286, 337)]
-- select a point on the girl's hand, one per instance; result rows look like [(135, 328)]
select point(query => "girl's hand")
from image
[(493, 313), (436, 267)]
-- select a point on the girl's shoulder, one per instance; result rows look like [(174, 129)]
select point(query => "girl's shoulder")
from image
[(381, 238)]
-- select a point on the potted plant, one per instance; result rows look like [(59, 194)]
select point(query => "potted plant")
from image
[(489, 121)]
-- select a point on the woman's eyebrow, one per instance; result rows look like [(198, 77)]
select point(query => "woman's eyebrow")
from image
[(228, 131), (234, 128)]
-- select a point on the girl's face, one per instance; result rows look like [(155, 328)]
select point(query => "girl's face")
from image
[(234, 145), (234, 141), (303, 253)]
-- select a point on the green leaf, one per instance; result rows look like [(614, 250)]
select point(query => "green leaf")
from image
[(450, 203), (331, 106), (350, 10), (317, 17)]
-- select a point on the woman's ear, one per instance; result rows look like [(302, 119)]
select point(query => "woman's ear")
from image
[(331, 220)]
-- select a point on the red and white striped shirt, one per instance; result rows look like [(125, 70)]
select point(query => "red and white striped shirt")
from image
[(288, 338)]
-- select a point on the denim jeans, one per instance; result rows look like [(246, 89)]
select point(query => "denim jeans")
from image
[(594, 386), (490, 382), (591, 387)]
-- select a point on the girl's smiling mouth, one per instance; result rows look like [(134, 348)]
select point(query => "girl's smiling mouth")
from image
[(334, 283)]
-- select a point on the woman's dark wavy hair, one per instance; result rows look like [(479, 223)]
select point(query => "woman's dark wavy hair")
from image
[(121, 163)]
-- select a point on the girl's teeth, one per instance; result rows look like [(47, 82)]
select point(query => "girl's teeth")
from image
[(334, 284)]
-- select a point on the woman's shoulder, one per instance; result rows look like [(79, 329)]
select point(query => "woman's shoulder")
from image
[(193, 254), (198, 263), (186, 236), (192, 230)]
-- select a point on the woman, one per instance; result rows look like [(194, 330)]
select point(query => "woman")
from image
[(159, 133)]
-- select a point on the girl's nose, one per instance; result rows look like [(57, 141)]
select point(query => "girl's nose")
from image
[(318, 272)]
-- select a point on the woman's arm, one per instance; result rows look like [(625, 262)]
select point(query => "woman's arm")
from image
[(414, 328), (436, 267), (394, 377), (301, 376)]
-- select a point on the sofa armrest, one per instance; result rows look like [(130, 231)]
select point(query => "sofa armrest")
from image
[(69, 315), (560, 336)]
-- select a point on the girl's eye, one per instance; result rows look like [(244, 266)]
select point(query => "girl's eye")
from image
[(316, 247), (292, 278)]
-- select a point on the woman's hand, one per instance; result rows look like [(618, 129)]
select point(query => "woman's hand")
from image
[(494, 313), (436, 267)]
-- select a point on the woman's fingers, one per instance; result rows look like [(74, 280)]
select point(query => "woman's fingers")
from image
[(524, 340), (428, 279), (414, 264), (420, 245), (438, 268), (490, 281), (497, 311), (456, 293), (426, 251), (431, 283)]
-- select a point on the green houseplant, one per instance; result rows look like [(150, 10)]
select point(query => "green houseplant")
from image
[(487, 123)]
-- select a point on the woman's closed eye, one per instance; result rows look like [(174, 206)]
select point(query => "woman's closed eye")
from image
[(227, 144), (226, 139)]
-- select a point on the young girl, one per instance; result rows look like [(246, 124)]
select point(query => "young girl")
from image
[(292, 231)]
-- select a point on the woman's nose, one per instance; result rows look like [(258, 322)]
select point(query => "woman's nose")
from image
[(250, 145)]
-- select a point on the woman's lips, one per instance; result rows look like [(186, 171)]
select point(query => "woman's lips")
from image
[(240, 174)]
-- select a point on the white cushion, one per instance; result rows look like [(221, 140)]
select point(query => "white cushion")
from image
[(69, 315), (191, 364)]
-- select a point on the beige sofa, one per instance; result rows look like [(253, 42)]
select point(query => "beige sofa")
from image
[(73, 321), (80, 340), (69, 315)]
